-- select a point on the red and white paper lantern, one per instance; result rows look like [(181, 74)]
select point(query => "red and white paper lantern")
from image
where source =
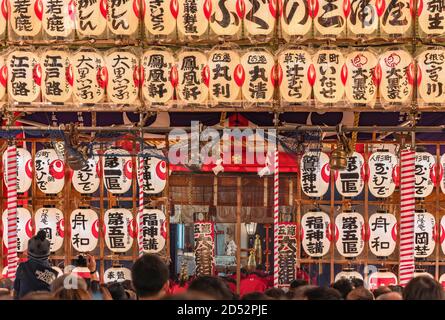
[(49, 171), (24, 76), (24, 169), (330, 16), (24, 228), (193, 77), (25, 17), (350, 181), (316, 233), (227, 17), (424, 234), (119, 229), (425, 172), (350, 234), (381, 278), (152, 225), (362, 17), (84, 229), (295, 18), (431, 19), (260, 18), (57, 75), (87, 179), (315, 174), (123, 17), (154, 174), (430, 76), (58, 18), (51, 221), (3, 17), (3, 78), (396, 17), (383, 173), (193, 18), (441, 234), (117, 170), (382, 231)]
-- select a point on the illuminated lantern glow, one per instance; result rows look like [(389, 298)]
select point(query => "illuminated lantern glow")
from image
[(123, 17), (24, 170), (51, 220), (57, 75), (118, 170), (3, 78), (24, 228), (118, 224), (425, 171), (383, 166), (349, 234), (87, 180), (84, 229), (315, 174), (24, 76), (154, 235), (160, 17), (363, 19), (91, 18), (382, 234), (349, 182), (397, 17), (430, 76), (117, 274), (330, 19), (316, 223), (424, 231), (32, 10), (193, 18), (328, 86), (227, 17), (58, 18), (49, 171), (193, 77), (431, 19), (260, 17), (295, 18), (381, 278), (3, 17)]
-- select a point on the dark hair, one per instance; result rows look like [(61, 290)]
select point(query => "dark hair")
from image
[(275, 293), (423, 288), (360, 294), (381, 290), (72, 294), (252, 296), (357, 283), (298, 283), (213, 287), (344, 286), (323, 293), (81, 261), (117, 291), (149, 274), (396, 288)]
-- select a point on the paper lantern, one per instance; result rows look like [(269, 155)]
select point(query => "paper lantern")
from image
[(4, 18), (87, 180), (159, 75), (363, 19), (260, 18), (383, 173), (295, 18), (348, 274), (381, 278), (316, 233), (330, 16), (123, 17), (117, 274), (227, 17), (425, 174), (442, 280), (24, 76), (440, 177), (24, 228), (315, 174), (3, 78), (330, 75), (361, 84), (124, 76), (259, 68), (382, 230), (25, 18), (431, 19), (49, 171), (204, 236), (118, 170), (350, 181), (152, 226), (442, 233), (396, 17), (193, 18), (24, 170), (90, 76), (84, 229), (430, 76), (193, 77), (160, 17), (424, 234), (119, 229), (349, 234), (57, 75), (154, 174), (422, 273), (58, 18), (91, 18), (226, 75), (396, 76), (296, 75), (51, 221)]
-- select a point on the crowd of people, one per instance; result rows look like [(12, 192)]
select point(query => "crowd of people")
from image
[(36, 280)]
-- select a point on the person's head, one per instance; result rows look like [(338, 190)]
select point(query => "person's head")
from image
[(390, 296), (297, 283), (39, 246), (213, 287), (72, 294), (396, 288), (344, 286), (357, 283), (38, 295), (360, 294), (275, 293), (150, 277), (117, 291), (300, 292), (423, 288), (323, 293), (381, 290), (68, 281), (255, 296)]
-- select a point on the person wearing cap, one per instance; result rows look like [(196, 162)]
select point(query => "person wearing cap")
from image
[(36, 273)]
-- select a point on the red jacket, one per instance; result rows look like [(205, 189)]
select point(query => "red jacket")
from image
[(252, 283)]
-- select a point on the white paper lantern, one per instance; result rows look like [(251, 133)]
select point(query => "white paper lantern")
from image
[(431, 17), (395, 17), (49, 171), (193, 18), (51, 220), (227, 17), (381, 278), (58, 18), (91, 18), (350, 232), (424, 234), (348, 274), (119, 231), (315, 174), (153, 234), (160, 17), (295, 18), (57, 75), (154, 174), (24, 228), (84, 229), (193, 76), (383, 173), (117, 274), (350, 181), (24, 76), (382, 234), (25, 18), (363, 19), (260, 17), (24, 170), (87, 179), (118, 170), (425, 174), (123, 17), (330, 16), (430, 76), (316, 233)]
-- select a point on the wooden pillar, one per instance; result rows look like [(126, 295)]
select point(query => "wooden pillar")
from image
[(238, 234)]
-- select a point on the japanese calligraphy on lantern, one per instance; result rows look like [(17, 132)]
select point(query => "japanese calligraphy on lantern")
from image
[(117, 274), (3, 78), (363, 18), (382, 233), (154, 174), (330, 76), (118, 170), (152, 230), (24, 228), (3, 17), (160, 76), (24, 76), (90, 76), (91, 17), (441, 176), (51, 221), (57, 75), (361, 84), (431, 75), (226, 75), (25, 17), (259, 69), (24, 170), (296, 75), (315, 174), (348, 274), (193, 76), (424, 172), (119, 229), (383, 166), (49, 171), (86, 180), (349, 182), (160, 17), (193, 17), (330, 16), (227, 16), (287, 252), (349, 234), (396, 16), (381, 278), (260, 17), (431, 17), (84, 229), (396, 74), (295, 18), (204, 235), (316, 233), (123, 76), (58, 17), (123, 16), (424, 231)]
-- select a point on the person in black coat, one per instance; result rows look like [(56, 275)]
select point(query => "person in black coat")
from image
[(35, 274)]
